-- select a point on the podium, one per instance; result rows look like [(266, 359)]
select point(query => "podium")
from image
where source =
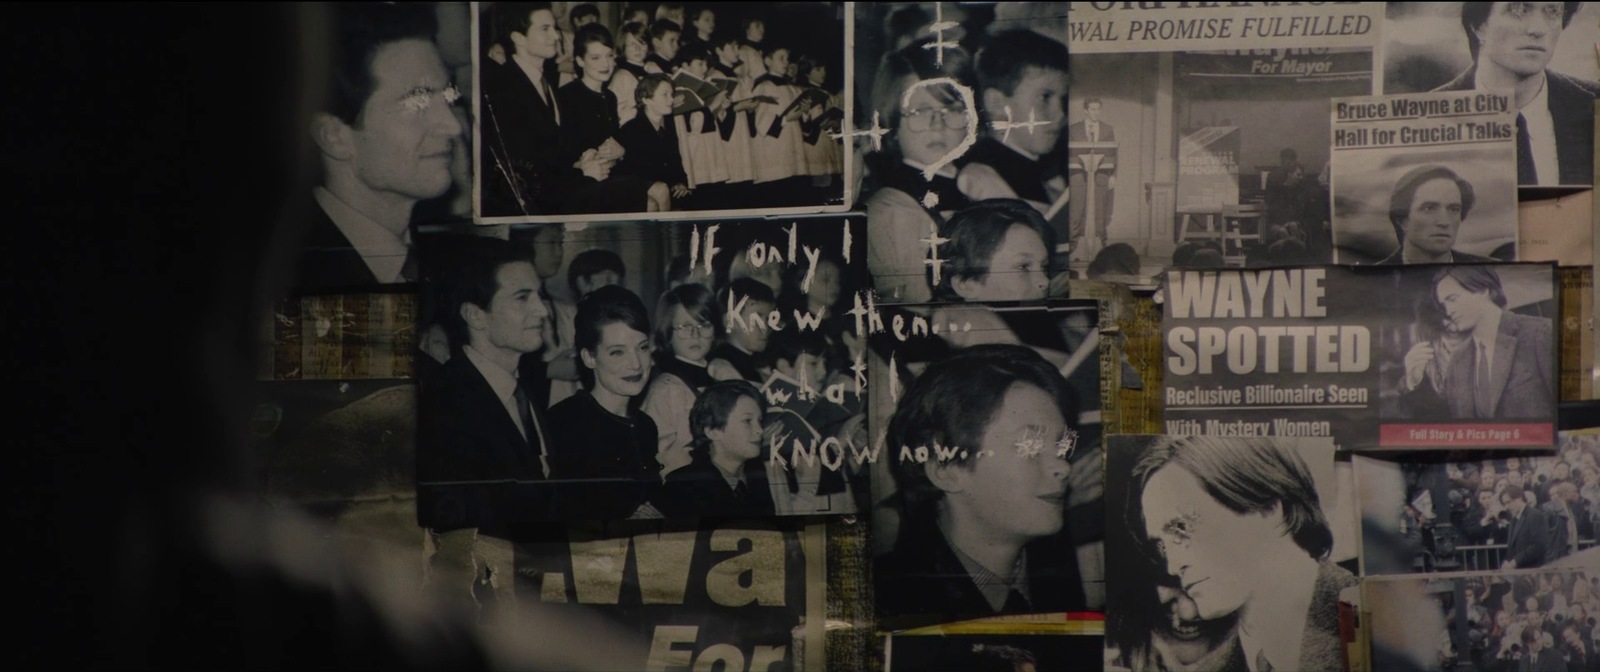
[(1091, 158)]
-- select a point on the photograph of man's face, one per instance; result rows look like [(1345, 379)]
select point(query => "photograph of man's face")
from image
[(1435, 216), (1201, 541), (1520, 37)]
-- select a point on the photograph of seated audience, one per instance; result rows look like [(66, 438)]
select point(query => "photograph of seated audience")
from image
[(613, 380), (611, 108)]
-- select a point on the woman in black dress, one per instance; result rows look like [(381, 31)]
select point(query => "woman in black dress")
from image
[(603, 456)]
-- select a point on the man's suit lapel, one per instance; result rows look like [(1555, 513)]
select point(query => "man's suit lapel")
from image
[(1574, 129), (1505, 346), (483, 400)]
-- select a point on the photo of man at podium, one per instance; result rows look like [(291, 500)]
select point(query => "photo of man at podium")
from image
[(1091, 150)]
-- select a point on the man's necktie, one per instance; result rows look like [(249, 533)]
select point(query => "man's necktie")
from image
[(1480, 388), (1016, 603), (1526, 172), (530, 428), (550, 98), (741, 493)]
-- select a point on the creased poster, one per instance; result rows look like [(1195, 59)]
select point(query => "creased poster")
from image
[(620, 112), (677, 371), (1424, 178), (1542, 54), (1401, 358), (723, 594), (988, 425), (962, 106), (1524, 620), (1455, 512), (1188, 135), (1193, 523)]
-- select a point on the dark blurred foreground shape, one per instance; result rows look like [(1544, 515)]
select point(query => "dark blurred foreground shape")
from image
[(158, 152)]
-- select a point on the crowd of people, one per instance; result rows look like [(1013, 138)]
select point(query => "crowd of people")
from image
[(666, 110), (1534, 622), (1541, 509)]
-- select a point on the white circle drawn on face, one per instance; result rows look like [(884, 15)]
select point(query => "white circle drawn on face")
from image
[(970, 134)]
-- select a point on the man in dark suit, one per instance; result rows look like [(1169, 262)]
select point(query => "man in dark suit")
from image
[(1528, 538), (386, 135), (1511, 44), (1505, 369), (1426, 209), (482, 453), (1091, 129), (521, 167)]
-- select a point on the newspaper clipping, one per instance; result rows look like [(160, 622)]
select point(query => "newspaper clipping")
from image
[(1424, 178), (981, 427), (615, 111), (1229, 86), (1542, 54), (1454, 512), (733, 595), (1524, 620), (1408, 357), (1191, 522)]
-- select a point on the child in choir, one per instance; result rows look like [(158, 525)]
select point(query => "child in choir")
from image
[(824, 113), (778, 147), (737, 123), (651, 142), (664, 35), (696, 117)]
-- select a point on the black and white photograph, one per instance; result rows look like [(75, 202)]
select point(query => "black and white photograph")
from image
[(611, 371), (1533, 620), (1478, 346), (614, 111), (1220, 552), (1189, 131), (964, 103), (1424, 178), (391, 141), (1454, 512), (991, 652), (1542, 53), (986, 483)]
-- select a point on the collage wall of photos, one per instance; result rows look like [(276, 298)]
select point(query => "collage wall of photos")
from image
[(936, 336)]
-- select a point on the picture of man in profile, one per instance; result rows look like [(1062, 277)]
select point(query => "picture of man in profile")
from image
[(1427, 208), (1506, 367), (1512, 44), (386, 134)]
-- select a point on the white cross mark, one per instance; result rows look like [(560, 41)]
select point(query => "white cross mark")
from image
[(877, 132), (1009, 124), (939, 26)]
